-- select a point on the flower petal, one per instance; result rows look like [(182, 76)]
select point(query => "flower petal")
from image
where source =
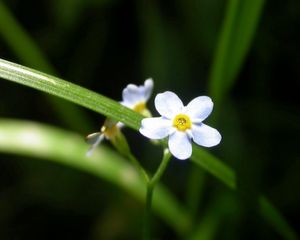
[(180, 145), (94, 139), (205, 136), (156, 128), (132, 95), (199, 108), (148, 87), (168, 104)]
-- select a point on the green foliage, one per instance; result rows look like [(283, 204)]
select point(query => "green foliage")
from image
[(52, 144), (69, 91), (165, 55), (235, 38), (31, 55), (110, 108)]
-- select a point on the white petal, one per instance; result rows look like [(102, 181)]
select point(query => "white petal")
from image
[(156, 128), (148, 87), (205, 136), (120, 124), (95, 139), (180, 145), (168, 104), (199, 108), (127, 104), (132, 95)]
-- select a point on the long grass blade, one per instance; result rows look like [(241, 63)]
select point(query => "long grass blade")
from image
[(224, 173), (52, 144), (236, 35), (71, 92)]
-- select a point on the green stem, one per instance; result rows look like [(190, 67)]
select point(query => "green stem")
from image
[(138, 167), (121, 144), (147, 220), (150, 188)]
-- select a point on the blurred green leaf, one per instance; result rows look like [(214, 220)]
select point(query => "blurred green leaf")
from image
[(16, 37), (212, 217), (276, 220), (67, 13), (214, 166), (30, 54), (240, 23), (53, 144), (110, 108), (224, 173), (153, 38)]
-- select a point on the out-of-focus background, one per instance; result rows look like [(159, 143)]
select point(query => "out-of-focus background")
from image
[(104, 45)]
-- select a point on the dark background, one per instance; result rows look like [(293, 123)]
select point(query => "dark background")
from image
[(103, 46)]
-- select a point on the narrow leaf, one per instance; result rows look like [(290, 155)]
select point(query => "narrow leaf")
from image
[(66, 90), (240, 23), (217, 168), (52, 144)]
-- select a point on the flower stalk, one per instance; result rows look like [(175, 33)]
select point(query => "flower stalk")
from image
[(150, 189), (121, 144)]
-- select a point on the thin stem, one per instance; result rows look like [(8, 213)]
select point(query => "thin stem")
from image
[(162, 167), (121, 144), (150, 188), (147, 217), (138, 167)]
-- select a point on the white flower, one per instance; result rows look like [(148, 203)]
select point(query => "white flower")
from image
[(181, 123), (135, 97)]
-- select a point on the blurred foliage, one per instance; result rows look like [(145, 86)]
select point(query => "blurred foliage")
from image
[(104, 45)]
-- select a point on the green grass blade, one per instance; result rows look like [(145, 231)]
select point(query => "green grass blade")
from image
[(30, 54), (235, 38), (270, 213), (224, 173), (214, 166), (71, 92), (211, 219), (48, 143), (246, 25), (113, 109), (218, 70)]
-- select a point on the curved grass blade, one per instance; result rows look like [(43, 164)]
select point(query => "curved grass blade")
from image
[(52, 144), (69, 91), (270, 213), (224, 173), (241, 20)]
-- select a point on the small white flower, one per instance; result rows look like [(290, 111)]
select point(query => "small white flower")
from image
[(135, 97), (181, 123)]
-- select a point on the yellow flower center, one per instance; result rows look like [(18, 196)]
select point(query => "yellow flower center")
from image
[(140, 107), (111, 132), (182, 122)]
